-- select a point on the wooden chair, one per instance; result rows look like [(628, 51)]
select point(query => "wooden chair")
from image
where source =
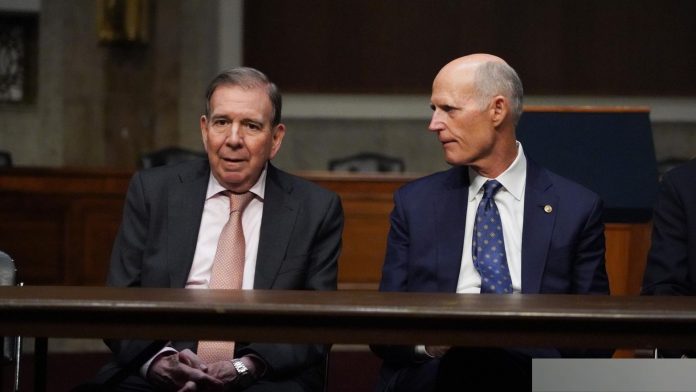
[(5, 159), (367, 162)]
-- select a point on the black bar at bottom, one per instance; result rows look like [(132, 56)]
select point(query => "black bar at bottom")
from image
[(40, 363)]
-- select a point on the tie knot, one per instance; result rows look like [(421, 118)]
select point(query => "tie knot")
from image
[(239, 201), (490, 188)]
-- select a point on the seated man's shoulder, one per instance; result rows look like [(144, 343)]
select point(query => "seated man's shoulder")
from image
[(303, 187), (682, 174), (436, 181), (566, 187), (182, 170)]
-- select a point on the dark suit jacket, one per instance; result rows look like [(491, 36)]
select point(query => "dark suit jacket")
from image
[(299, 246), (562, 251), (671, 266)]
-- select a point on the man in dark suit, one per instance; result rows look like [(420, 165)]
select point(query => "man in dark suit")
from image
[(172, 223), (548, 230), (671, 267)]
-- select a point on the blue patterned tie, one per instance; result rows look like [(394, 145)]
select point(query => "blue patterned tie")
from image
[(488, 246)]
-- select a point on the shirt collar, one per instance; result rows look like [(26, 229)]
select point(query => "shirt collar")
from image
[(259, 189), (513, 178)]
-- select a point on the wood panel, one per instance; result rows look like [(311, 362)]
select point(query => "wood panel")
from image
[(627, 252), (94, 223), (59, 226), (365, 237), (526, 320), (557, 47), (367, 202), (34, 227)]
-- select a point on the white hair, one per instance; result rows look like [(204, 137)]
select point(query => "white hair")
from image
[(498, 78)]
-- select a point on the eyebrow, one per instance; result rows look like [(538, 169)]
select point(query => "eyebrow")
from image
[(444, 106), (243, 119), (252, 121)]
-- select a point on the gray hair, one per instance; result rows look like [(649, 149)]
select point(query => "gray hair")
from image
[(247, 78), (497, 78)]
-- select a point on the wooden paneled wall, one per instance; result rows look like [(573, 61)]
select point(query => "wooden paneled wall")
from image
[(619, 47), (59, 226)]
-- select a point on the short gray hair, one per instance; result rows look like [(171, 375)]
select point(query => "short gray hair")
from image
[(247, 78), (497, 78)]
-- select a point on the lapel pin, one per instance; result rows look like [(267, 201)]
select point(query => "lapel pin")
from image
[(548, 209)]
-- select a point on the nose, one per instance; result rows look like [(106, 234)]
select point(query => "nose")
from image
[(235, 138), (435, 122)]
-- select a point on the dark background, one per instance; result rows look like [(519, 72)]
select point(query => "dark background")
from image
[(597, 47)]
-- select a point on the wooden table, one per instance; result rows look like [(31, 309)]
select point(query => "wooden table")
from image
[(349, 317)]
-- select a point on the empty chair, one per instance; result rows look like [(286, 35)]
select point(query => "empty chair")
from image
[(5, 159), (367, 162), (11, 346), (168, 156)]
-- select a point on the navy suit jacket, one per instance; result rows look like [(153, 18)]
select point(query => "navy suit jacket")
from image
[(671, 266), (562, 250), (299, 246)]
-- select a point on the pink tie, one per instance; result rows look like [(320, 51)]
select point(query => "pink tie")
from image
[(228, 271)]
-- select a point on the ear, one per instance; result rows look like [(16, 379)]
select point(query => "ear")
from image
[(499, 110), (278, 132), (204, 131)]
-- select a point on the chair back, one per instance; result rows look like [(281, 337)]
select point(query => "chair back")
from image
[(5, 159), (367, 162), (168, 156)]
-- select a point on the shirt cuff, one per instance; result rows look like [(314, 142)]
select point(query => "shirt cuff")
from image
[(421, 353), (258, 367), (146, 366)]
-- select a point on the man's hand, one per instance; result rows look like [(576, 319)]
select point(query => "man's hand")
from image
[(181, 371), (227, 373), (223, 371), (190, 358)]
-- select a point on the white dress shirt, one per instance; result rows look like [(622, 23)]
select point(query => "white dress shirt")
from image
[(216, 213), (510, 202)]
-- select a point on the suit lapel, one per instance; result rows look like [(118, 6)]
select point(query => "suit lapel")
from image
[(279, 214), (184, 211), (538, 225), (450, 217)]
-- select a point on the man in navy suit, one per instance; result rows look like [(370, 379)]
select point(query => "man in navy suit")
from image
[(671, 267), (552, 228), (173, 219)]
